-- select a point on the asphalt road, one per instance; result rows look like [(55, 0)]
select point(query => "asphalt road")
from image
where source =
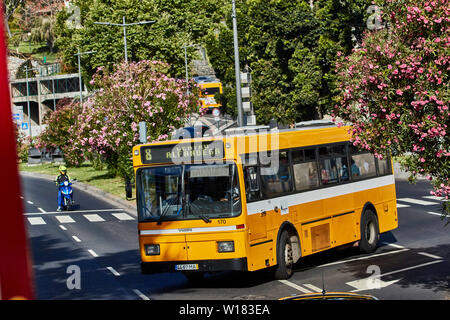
[(92, 253)]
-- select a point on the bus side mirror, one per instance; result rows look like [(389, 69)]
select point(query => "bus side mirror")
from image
[(254, 184), (128, 189), (253, 179)]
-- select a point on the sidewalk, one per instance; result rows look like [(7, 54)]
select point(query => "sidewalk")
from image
[(403, 175)]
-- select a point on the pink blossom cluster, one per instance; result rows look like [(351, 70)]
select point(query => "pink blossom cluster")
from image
[(394, 88)]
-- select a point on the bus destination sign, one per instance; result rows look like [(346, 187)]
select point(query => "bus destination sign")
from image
[(183, 152)]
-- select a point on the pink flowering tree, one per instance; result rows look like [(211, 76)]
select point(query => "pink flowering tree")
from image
[(56, 133), (108, 124), (395, 90)]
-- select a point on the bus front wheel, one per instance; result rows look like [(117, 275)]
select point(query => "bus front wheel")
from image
[(369, 232), (285, 257)]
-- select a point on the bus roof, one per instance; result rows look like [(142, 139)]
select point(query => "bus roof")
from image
[(316, 126), (209, 83), (245, 140)]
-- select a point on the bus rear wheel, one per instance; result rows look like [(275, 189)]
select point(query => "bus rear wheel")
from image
[(369, 232), (285, 258)]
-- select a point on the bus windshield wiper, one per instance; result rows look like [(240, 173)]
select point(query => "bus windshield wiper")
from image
[(165, 210), (205, 218), (160, 218)]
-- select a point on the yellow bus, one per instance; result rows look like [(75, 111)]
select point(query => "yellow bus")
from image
[(208, 91), (258, 198)]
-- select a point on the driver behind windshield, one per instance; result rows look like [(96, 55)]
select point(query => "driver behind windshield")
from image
[(231, 193)]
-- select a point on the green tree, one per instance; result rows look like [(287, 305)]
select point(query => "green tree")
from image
[(290, 48), (177, 23), (8, 7), (43, 31)]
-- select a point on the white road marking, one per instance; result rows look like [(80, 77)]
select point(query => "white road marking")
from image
[(399, 205), (312, 287), (393, 245), (141, 295), (363, 258), (122, 216), (409, 268), (434, 198), (295, 286), (77, 211), (41, 210), (36, 221), (369, 284), (92, 252), (93, 217), (76, 238), (64, 219), (417, 201), (62, 227), (30, 202), (113, 271), (429, 255), (374, 281), (435, 213)]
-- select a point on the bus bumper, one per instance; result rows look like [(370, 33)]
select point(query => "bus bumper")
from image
[(237, 264)]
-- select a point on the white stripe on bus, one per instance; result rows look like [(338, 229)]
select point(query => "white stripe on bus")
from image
[(185, 230), (318, 194)]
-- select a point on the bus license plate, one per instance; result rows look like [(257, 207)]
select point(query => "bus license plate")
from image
[(183, 267)]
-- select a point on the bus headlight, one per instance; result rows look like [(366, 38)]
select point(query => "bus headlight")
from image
[(225, 246), (151, 249)]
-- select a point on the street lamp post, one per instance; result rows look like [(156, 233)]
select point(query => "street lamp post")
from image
[(79, 71), (28, 97), (125, 25), (240, 119)]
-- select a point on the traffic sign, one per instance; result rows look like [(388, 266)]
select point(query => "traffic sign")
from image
[(143, 132), (216, 112), (24, 125)]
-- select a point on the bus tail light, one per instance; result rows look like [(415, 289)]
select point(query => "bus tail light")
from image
[(152, 249), (225, 246)]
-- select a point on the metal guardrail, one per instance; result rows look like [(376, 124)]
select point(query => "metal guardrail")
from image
[(38, 156)]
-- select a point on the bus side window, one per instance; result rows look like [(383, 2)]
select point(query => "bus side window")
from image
[(277, 180), (328, 170), (328, 166), (384, 166), (333, 164), (362, 164), (305, 169), (252, 185)]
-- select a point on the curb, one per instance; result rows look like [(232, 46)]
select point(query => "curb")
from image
[(128, 206)]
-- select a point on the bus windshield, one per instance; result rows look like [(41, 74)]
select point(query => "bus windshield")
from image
[(188, 191), (210, 91)]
